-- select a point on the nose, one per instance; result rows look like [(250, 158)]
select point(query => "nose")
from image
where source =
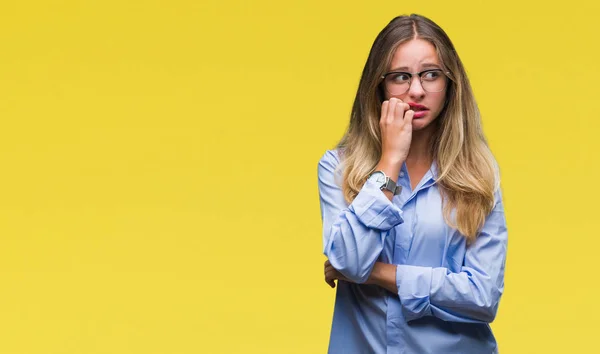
[(415, 91)]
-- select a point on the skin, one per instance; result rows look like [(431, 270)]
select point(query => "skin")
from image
[(404, 138)]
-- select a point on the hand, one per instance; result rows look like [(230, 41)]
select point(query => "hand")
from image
[(396, 130), (332, 274)]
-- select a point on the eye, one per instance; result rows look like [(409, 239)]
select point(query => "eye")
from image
[(400, 78), (431, 75)]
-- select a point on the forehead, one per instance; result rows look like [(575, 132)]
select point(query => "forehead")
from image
[(415, 55)]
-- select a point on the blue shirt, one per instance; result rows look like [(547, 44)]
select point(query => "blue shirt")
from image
[(448, 293)]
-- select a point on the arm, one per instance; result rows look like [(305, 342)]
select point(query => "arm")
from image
[(353, 235), (471, 295)]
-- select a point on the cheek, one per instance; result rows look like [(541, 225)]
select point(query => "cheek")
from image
[(438, 102)]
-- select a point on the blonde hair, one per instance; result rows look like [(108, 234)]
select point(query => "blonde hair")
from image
[(467, 171)]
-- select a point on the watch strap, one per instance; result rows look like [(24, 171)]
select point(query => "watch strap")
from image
[(389, 184)]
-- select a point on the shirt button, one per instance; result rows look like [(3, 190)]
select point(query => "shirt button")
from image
[(401, 174)]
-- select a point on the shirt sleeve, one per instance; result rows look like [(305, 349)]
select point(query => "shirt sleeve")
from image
[(471, 295), (354, 234)]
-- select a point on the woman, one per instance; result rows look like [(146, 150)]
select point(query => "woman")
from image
[(413, 220)]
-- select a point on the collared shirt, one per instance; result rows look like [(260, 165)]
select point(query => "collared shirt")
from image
[(448, 293)]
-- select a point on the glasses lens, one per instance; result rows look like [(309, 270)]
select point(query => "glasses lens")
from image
[(433, 81), (397, 83)]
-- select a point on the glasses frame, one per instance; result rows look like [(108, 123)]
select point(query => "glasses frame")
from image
[(411, 75)]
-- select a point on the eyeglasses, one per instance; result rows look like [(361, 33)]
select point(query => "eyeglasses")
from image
[(398, 82)]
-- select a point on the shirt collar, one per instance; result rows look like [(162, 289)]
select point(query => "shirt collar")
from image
[(430, 176), (434, 170)]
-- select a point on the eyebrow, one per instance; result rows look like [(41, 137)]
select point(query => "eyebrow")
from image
[(425, 65)]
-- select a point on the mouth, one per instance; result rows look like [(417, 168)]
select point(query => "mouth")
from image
[(420, 114), (417, 107)]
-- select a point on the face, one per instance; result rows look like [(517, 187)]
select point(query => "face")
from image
[(415, 56)]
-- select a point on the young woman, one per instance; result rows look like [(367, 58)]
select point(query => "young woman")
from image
[(413, 220)]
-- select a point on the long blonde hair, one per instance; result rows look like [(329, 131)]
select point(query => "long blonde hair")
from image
[(468, 174)]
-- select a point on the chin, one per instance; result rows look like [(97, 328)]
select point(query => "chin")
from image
[(420, 124)]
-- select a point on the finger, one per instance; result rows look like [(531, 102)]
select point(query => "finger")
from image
[(406, 109), (330, 282), (384, 110), (391, 110), (398, 110), (408, 118), (332, 270), (401, 107), (331, 274)]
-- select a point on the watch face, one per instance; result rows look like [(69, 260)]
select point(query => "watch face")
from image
[(378, 177)]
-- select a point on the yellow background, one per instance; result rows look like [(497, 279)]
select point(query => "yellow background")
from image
[(158, 191)]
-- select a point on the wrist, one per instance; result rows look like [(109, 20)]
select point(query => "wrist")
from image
[(390, 167), (375, 276), (383, 275), (391, 160)]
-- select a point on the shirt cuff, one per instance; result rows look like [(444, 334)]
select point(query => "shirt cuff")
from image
[(414, 287), (374, 209)]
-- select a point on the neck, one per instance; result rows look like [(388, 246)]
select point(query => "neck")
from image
[(420, 148)]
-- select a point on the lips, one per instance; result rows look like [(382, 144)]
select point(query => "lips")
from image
[(417, 107), (420, 114)]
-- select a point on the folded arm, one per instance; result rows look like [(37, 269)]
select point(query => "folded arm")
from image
[(470, 295), (354, 234)]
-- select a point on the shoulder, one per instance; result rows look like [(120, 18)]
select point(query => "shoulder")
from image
[(330, 159), (497, 185), (498, 202), (329, 169)]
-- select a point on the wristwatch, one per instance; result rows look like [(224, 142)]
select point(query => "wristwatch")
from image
[(384, 182)]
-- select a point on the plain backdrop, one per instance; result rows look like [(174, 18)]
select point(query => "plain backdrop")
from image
[(158, 191)]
